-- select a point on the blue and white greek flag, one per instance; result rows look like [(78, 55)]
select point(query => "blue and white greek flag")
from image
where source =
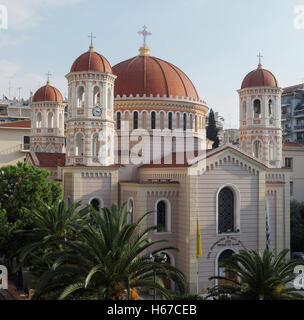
[(267, 227)]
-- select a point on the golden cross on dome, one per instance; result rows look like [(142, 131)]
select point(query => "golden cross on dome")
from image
[(48, 77), (145, 33), (260, 58), (92, 37)]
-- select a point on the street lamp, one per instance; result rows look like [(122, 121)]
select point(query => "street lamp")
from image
[(161, 258)]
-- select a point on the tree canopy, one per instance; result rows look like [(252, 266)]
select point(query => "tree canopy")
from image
[(23, 187)]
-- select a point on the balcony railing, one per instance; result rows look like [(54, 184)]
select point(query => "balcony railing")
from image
[(299, 127), (298, 113)]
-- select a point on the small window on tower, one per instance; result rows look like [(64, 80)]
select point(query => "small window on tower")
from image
[(244, 110), (153, 120), (257, 109), (170, 120), (118, 120), (80, 97), (270, 107), (135, 120), (184, 122)]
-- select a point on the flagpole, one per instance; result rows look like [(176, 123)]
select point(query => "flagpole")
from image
[(197, 277)]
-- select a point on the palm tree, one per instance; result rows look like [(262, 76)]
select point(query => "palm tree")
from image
[(109, 261), (259, 277), (49, 226)]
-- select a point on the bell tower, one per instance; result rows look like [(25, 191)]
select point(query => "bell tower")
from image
[(47, 123), (260, 116), (90, 121)]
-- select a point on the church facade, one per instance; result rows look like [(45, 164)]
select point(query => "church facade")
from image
[(125, 140)]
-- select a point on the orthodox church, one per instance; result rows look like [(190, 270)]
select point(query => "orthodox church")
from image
[(239, 196)]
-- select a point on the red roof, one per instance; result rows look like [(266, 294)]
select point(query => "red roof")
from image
[(48, 93), (91, 61), (259, 78), (293, 88), (48, 160), (17, 124), (150, 75)]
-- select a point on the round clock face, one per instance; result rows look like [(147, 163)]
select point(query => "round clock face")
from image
[(97, 111)]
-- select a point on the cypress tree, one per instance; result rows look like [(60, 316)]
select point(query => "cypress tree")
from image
[(212, 130)]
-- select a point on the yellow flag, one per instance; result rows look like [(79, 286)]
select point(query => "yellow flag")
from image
[(198, 242)]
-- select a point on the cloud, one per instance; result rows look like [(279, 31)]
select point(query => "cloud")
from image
[(25, 14), (7, 40)]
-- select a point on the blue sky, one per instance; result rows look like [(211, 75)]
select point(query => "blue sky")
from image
[(215, 42)]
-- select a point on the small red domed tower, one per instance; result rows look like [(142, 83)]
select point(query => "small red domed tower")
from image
[(47, 134), (260, 116)]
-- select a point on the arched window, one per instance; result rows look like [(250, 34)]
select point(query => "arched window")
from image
[(191, 121), (96, 96), (79, 144), (170, 120), (162, 119), (257, 109), (196, 123), (96, 203), (244, 110), (177, 120), (50, 120), (80, 97), (270, 107), (257, 149), (61, 122), (153, 120), (271, 151), (118, 120), (130, 207), (39, 120), (144, 119), (163, 215), (184, 122), (109, 146), (95, 145), (110, 98), (223, 270), (135, 120), (226, 211)]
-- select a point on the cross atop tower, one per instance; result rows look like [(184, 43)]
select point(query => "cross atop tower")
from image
[(92, 37), (48, 77), (145, 33), (260, 59)]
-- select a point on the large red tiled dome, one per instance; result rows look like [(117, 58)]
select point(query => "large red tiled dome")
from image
[(91, 61), (259, 78), (48, 93), (148, 75)]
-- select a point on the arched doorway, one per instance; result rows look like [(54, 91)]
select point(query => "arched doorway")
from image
[(222, 268), (96, 203)]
